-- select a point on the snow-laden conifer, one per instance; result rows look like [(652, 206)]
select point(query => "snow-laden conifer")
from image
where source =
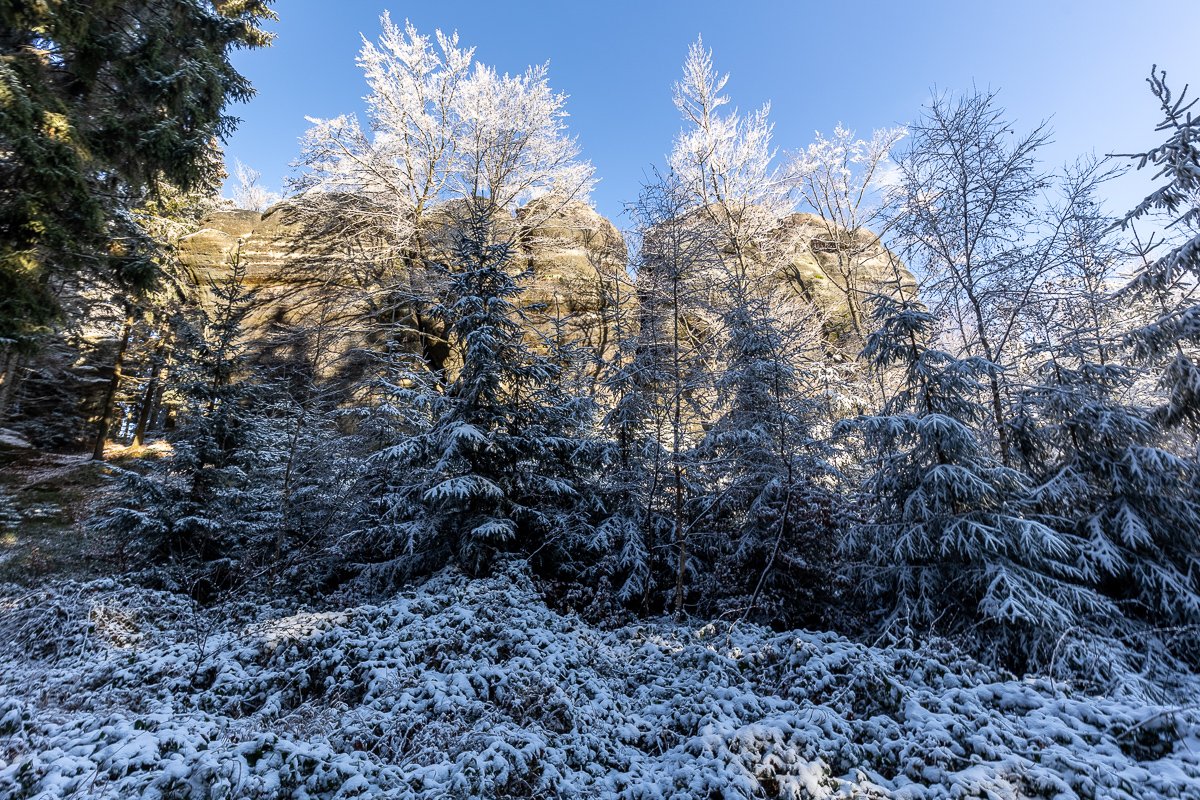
[(952, 541), (1105, 469), (490, 461), (1168, 279), (217, 494), (767, 510)]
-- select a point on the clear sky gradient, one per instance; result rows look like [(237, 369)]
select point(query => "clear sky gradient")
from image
[(867, 64)]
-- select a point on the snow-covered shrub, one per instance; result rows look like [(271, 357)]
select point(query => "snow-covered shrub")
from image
[(474, 688), (73, 620)]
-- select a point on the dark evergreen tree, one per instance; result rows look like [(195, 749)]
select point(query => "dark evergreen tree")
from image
[(102, 102), (768, 508), (1168, 281), (1101, 458), (216, 496)]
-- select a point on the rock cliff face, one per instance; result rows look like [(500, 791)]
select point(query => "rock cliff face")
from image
[(267, 245), (568, 251), (576, 257), (837, 270)]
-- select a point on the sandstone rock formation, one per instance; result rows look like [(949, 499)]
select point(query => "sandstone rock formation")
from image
[(837, 270), (805, 267), (577, 259), (300, 279)]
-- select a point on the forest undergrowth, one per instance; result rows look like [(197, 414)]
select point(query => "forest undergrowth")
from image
[(476, 688)]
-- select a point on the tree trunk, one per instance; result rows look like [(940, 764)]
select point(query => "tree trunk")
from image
[(998, 412), (151, 392), (677, 447), (157, 418), (10, 368), (285, 495), (110, 396), (681, 538), (993, 374)]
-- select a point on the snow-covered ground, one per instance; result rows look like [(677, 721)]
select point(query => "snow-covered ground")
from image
[(474, 688)]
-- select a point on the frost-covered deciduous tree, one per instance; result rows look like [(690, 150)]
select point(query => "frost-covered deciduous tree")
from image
[(249, 193), (491, 461), (725, 161), (441, 129), (730, 190), (443, 126), (843, 179), (967, 216)]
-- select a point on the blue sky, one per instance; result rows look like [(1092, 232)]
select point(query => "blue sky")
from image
[(867, 64)]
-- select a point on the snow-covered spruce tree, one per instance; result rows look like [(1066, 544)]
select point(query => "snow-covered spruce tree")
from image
[(636, 529), (492, 461), (768, 508), (761, 515), (216, 496), (441, 129), (1168, 281), (1098, 453), (661, 382), (950, 543)]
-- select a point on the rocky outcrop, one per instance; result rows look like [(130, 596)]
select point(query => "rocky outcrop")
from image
[(839, 271), (806, 268), (268, 246), (301, 278), (576, 257), (569, 251)]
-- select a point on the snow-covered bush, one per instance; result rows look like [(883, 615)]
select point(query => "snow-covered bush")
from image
[(474, 688)]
